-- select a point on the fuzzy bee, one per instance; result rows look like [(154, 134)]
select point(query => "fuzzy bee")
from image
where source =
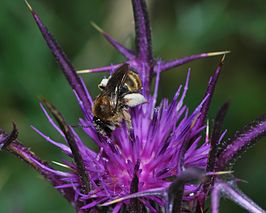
[(118, 93)]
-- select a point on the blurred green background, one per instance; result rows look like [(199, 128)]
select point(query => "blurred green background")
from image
[(180, 28)]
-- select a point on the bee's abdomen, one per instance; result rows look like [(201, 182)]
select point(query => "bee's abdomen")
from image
[(133, 82)]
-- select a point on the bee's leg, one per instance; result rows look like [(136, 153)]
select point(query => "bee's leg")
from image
[(127, 118)]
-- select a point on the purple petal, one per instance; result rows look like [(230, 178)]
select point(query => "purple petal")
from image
[(93, 203), (39, 165), (143, 31), (180, 103), (61, 146), (166, 65), (151, 192), (51, 121), (64, 62), (73, 145), (149, 206), (186, 138), (241, 142), (117, 207)]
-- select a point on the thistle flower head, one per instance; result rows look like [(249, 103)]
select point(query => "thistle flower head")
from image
[(168, 161)]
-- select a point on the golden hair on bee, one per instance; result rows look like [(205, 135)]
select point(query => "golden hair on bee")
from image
[(119, 92)]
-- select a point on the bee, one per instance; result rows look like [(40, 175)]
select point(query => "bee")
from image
[(118, 93)]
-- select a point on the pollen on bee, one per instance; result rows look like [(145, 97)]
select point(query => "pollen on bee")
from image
[(134, 99), (103, 83)]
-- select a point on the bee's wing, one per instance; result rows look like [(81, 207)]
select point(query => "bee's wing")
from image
[(115, 84), (117, 79)]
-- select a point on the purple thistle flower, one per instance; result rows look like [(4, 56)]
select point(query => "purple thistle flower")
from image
[(162, 164)]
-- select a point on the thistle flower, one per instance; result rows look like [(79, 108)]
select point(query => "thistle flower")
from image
[(162, 164)]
